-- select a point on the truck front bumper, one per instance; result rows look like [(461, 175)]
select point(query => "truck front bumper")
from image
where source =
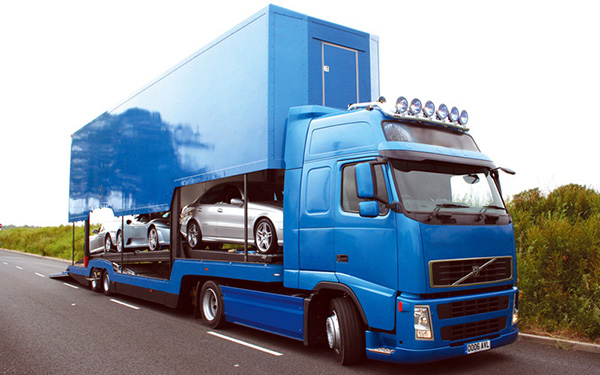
[(414, 356), (458, 326)]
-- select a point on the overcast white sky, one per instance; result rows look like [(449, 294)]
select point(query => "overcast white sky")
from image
[(528, 72)]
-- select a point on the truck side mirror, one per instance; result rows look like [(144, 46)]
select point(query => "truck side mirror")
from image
[(369, 209), (365, 187)]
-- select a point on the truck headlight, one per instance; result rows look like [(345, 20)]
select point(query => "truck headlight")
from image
[(423, 330), (515, 315)]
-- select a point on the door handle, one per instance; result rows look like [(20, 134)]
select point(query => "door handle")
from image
[(342, 258), (220, 210)]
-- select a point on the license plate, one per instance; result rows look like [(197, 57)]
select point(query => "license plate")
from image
[(477, 347)]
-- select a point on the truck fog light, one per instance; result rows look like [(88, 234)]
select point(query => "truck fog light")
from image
[(423, 330)]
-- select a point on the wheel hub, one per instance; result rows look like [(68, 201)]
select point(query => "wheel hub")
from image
[(332, 327)]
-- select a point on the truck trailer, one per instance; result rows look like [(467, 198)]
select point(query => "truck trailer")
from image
[(395, 243)]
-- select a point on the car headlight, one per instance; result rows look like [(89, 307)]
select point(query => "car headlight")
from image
[(423, 329)]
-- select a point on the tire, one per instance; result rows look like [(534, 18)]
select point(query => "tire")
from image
[(108, 245), (96, 284), (345, 334), (153, 244), (120, 242), (194, 235), (106, 284), (265, 237), (211, 306)]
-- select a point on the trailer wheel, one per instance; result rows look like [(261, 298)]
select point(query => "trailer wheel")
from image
[(265, 237), (345, 334), (211, 305), (153, 239), (95, 282), (194, 235), (106, 284)]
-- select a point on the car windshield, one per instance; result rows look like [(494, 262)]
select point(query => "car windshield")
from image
[(431, 187), (264, 193)]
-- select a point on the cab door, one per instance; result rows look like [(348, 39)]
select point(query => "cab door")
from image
[(365, 247)]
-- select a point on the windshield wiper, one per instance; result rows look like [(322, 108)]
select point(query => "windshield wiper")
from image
[(439, 206), (482, 213)]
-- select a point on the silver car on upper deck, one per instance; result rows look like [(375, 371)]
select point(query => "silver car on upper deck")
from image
[(217, 217)]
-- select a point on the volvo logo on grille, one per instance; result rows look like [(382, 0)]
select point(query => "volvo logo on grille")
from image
[(475, 271)]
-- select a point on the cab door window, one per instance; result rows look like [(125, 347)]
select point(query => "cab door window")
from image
[(350, 200)]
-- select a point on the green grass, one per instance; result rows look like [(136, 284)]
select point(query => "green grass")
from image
[(55, 242)]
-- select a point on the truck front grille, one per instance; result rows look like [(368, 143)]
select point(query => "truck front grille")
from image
[(474, 271), (472, 307), (475, 329)]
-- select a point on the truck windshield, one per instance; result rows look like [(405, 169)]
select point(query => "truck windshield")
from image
[(431, 187)]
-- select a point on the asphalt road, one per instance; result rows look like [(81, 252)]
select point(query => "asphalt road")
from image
[(55, 327)]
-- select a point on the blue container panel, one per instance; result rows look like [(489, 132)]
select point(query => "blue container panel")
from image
[(275, 313), (222, 112)]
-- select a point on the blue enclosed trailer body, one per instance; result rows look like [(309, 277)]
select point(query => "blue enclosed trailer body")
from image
[(409, 270), (239, 88)]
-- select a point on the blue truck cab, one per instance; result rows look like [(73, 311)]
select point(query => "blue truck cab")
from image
[(406, 212), (397, 244)]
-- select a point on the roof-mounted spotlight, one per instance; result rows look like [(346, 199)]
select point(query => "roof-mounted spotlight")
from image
[(429, 109), (463, 118), (401, 104), (415, 107), (454, 114), (442, 112)]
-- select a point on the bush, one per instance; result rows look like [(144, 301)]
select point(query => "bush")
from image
[(558, 256), (50, 241)]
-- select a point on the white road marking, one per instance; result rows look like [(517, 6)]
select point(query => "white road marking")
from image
[(19, 268), (245, 344), (40, 275), (4, 262), (125, 304), (71, 286)]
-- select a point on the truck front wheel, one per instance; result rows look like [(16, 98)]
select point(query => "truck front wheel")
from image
[(211, 305), (345, 334)]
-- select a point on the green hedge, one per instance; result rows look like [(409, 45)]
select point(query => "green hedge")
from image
[(48, 241), (558, 255)]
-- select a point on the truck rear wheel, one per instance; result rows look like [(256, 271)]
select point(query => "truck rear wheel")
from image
[(345, 334), (211, 305), (95, 282), (106, 284)]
